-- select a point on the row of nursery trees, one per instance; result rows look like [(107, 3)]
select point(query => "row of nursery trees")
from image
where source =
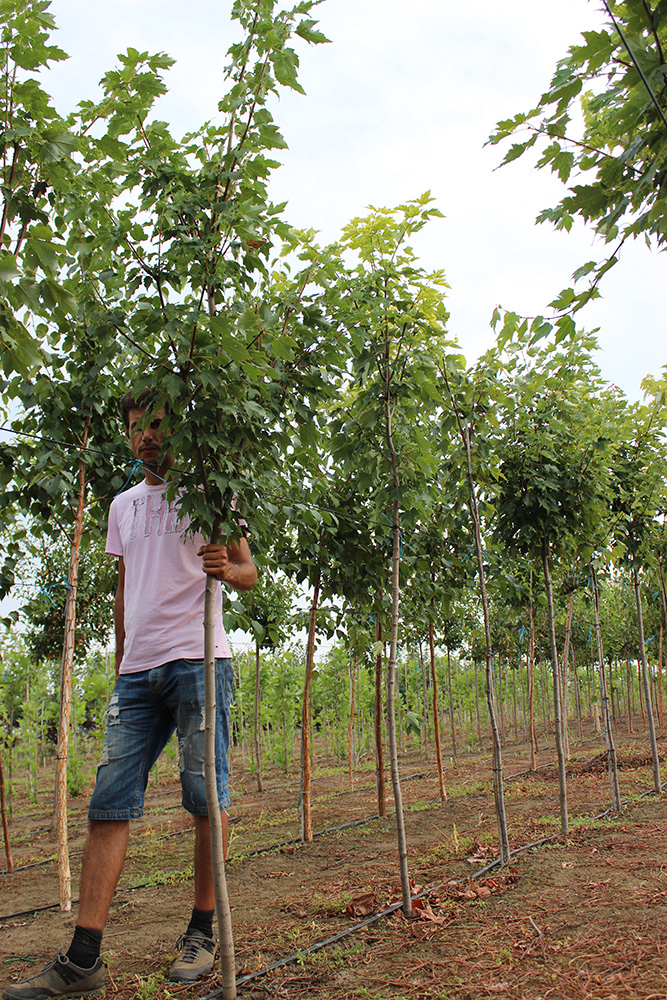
[(342, 694), (319, 384)]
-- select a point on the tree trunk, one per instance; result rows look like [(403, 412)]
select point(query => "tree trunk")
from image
[(577, 696), (498, 791), (452, 721), (424, 727), (503, 727), (663, 593), (546, 707), (566, 658), (379, 749), (556, 686), (477, 718), (609, 736), (258, 749), (350, 724), (531, 694), (661, 715), (436, 716), (224, 915), (391, 715), (628, 687), (5, 825), (306, 821), (64, 874), (523, 701), (645, 679)]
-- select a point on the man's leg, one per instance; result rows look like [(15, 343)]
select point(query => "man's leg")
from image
[(204, 893), (81, 970), (198, 943), (102, 864)]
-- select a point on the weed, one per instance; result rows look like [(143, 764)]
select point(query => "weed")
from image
[(164, 878), (330, 904), (420, 806), (149, 988), (475, 788), (588, 823), (327, 771)]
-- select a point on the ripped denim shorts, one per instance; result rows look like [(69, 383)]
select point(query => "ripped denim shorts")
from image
[(144, 710)]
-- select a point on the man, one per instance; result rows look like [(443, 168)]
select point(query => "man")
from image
[(159, 688)]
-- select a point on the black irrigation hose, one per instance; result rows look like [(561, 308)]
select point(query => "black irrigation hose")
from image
[(297, 840), (246, 854), (292, 959), (146, 885)]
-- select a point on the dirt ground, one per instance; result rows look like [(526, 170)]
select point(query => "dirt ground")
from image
[(581, 917)]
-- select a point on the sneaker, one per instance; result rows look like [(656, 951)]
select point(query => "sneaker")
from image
[(60, 978), (196, 958)]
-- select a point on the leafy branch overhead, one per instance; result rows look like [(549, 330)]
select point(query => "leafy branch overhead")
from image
[(600, 127)]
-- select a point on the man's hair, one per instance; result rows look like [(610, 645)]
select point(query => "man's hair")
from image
[(128, 402)]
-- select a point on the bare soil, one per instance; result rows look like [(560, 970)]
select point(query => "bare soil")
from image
[(577, 917)]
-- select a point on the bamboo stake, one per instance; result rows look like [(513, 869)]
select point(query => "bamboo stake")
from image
[(64, 873), (5, 825)]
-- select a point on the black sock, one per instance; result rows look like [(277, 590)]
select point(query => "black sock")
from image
[(201, 920), (85, 947)]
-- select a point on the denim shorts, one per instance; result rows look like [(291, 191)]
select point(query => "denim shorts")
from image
[(144, 710)]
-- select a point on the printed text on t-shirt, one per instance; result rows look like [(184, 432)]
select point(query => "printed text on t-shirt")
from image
[(165, 516)]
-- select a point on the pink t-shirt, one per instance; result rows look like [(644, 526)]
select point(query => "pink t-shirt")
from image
[(164, 581)]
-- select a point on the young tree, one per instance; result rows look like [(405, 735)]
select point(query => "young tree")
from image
[(638, 490), (551, 482), (35, 161), (270, 608), (395, 317)]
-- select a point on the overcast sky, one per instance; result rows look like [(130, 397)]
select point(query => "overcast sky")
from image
[(403, 101)]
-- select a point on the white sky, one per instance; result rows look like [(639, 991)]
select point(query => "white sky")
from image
[(403, 101)]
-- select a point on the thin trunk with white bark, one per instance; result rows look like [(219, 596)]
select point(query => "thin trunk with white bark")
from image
[(391, 669), (377, 711), (436, 716), (612, 767), (223, 909), (256, 727), (645, 680), (306, 819), (562, 781)]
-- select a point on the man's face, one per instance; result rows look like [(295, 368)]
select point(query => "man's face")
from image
[(146, 441)]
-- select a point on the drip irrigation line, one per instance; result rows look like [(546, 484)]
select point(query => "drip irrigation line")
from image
[(388, 911), (297, 840), (356, 927), (275, 846)]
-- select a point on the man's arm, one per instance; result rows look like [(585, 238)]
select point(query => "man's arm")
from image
[(119, 613), (231, 564)]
